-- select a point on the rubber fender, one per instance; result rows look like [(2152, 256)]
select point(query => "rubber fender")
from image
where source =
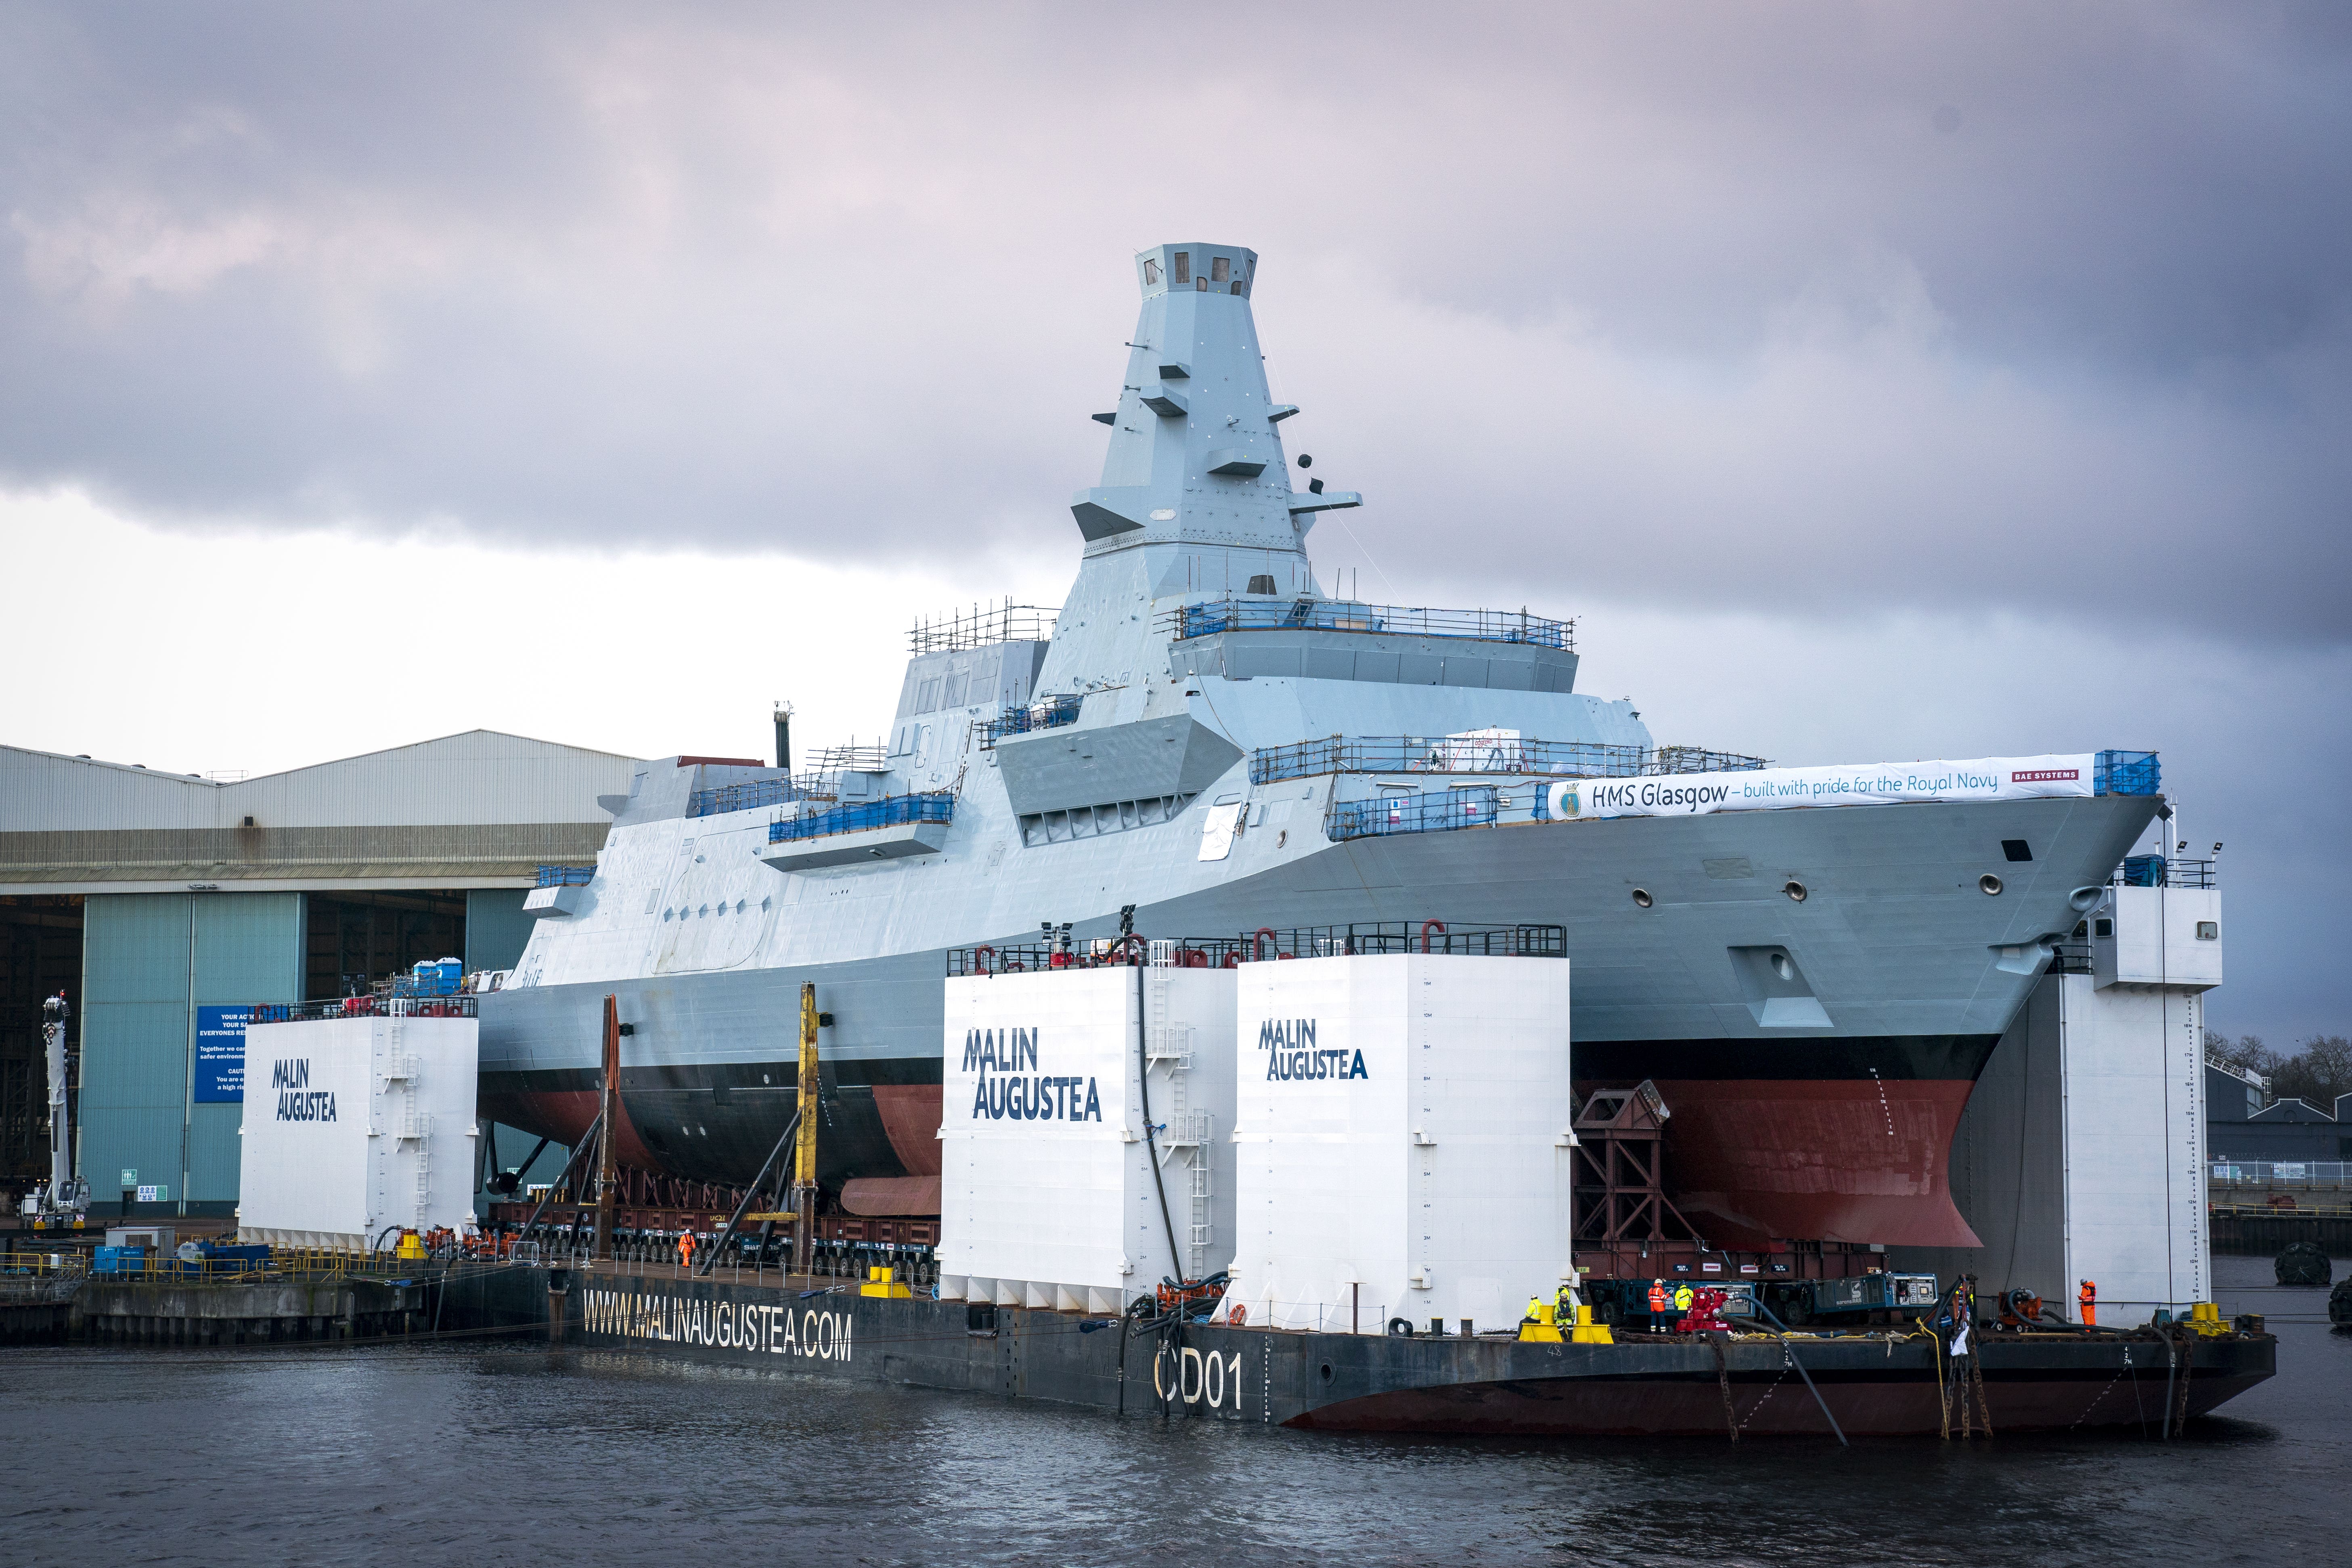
[(2303, 1263)]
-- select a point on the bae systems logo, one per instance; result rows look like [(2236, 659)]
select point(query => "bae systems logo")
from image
[(2045, 775), (1019, 1092), (1291, 1054), (296, 1101)]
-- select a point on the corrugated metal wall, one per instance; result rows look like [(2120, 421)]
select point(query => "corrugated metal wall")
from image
[(39, 790), (480, 777), (149, 961)]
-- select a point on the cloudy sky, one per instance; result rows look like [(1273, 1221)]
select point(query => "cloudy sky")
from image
[(1872, 380)]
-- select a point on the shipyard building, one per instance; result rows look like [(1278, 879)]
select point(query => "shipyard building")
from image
[(161, 902)]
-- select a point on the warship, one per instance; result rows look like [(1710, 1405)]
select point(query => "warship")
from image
[(1206, 738)]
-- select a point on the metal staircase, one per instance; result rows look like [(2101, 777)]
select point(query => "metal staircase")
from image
[(1189, 1130)]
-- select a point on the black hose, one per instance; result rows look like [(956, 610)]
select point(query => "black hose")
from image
[(1125, 1320), (1151, 1149)]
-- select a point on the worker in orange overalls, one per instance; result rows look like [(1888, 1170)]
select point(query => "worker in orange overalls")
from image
[(686, 1249), (1657, 1301), (2090, 1303)]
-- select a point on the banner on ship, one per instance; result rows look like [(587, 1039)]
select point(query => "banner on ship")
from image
[(1772, 789)]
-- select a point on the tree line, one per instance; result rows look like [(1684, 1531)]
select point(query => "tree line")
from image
[(2318, 1070)]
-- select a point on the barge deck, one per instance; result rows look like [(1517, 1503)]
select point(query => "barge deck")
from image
[(1879, 1384)]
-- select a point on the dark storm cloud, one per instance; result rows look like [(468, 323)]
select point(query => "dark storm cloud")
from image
[(2040, 306)]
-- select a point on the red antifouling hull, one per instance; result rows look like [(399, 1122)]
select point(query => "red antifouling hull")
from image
[(565, 1115), (1845, 1138), (1824, 1160)]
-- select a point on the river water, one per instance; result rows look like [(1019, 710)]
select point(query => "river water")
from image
[(482, 1453)]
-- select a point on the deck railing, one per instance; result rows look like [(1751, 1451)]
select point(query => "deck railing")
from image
[(983, 625), (2070, 957), (1432, 811), (1371, 937), (1472, 754), (1265, 944), (1045, 713), (566, 875), (2125, 772), (741, 796), (2159, 871), (1237, 614), (457, 1006), (892, 811)]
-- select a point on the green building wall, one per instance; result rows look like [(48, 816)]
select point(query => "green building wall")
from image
[(497, 930), (149, 962)]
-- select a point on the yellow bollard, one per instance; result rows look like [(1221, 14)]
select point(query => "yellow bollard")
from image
[(1588, 1332), (883, 1282), (1541, 1325)]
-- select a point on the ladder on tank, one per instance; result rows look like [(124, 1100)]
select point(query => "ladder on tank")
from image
[(414, 1126), (1188, 1130)]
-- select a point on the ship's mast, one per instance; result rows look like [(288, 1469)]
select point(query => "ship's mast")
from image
[(1195, 500)]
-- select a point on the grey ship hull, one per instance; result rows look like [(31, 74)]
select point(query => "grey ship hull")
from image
[(1833, 1133)]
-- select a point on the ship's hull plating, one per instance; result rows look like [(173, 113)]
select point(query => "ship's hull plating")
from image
[(1839, 1133)]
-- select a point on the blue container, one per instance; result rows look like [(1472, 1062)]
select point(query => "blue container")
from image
[(118, 1260)]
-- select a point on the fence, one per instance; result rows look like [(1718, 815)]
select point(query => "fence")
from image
[(1432, 811), (1201, 620), (2281, 1173), (1475, 753), (887, 812)]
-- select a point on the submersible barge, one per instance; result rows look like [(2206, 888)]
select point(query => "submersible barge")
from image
[(1890, 1383)]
